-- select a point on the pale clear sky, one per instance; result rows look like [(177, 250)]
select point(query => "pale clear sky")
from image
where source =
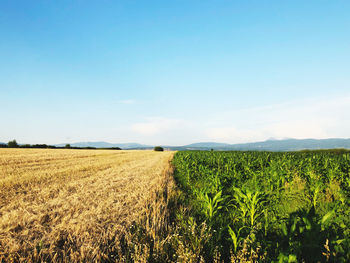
[(173, 72)]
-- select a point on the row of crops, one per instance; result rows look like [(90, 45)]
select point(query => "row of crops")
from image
[(265, 207)]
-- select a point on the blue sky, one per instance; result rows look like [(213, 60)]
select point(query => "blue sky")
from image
[(173, 72)]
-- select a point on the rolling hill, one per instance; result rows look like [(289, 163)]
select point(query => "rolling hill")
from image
[(268, 145), (274, 145), (107, 145)]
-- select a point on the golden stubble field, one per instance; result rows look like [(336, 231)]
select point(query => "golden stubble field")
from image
[(72, 205)]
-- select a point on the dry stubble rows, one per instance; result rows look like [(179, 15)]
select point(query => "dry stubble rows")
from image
[(71, 203)]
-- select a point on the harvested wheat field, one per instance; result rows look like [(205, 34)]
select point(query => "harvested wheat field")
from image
[(74, 205)]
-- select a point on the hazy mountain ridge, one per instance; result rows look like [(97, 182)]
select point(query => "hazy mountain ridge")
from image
[(207, 144), (268, 145), (105, 145), (283, 145)]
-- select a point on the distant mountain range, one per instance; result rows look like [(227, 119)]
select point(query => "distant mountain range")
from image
[(269, 145), (273, 145), (107, 145)]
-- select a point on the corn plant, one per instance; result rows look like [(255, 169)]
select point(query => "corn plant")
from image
[(250, 204), (273, 204), (235, 237), (210, 205)]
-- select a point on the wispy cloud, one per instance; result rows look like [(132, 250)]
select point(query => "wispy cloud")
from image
[(130, 101), (156, 125), (312, 118), (233, 134)]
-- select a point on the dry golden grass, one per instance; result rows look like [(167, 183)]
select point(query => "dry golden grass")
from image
[(74, 205)]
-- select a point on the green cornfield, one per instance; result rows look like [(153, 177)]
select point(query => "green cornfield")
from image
[(264, 206)]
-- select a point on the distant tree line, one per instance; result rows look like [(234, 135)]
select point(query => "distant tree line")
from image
[(14, 144)]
